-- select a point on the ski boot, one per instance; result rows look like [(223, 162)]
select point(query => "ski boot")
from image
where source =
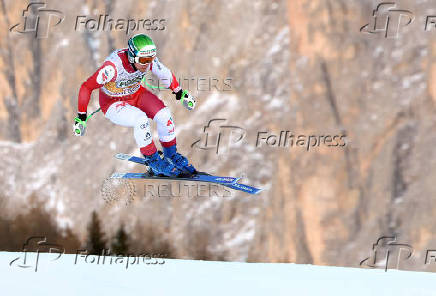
[(161, 167), (178, 160)]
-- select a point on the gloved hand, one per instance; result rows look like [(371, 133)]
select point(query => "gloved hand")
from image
[(79, 126), (188, 101)]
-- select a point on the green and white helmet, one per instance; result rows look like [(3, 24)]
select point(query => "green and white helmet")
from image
[(140, 45)]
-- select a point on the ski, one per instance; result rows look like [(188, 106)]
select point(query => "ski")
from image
[(243, 187), (229, 182), (197, 177), (200, 176)]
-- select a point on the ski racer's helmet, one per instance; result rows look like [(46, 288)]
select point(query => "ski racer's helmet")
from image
[(141, 49)]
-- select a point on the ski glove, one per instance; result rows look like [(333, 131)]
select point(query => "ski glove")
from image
[(79, 126), (187, 100)]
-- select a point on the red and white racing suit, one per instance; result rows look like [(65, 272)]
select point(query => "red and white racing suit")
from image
[(124, 101)]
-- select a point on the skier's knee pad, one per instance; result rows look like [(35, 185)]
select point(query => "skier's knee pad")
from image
[(142, 131), (165, 125)]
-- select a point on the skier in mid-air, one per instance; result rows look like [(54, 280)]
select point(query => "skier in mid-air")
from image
[(124, 101)]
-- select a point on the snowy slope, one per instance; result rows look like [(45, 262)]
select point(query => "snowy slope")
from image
[(184, 277)]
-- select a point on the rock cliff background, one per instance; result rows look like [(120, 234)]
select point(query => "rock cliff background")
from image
[(299, 66)]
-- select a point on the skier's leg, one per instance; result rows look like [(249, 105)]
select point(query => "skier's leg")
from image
[(124, 114), (161, 114), (165, 127), (156, 110)]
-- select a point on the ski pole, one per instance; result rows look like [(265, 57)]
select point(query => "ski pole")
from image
[(79, 131), (151, 86), (188, 103), (89, 116)]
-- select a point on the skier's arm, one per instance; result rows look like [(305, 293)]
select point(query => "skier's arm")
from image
[(166, 77), (103, 75), (107, 72), (169, 81)]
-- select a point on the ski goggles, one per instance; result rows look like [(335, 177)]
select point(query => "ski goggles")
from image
[(144, 60)]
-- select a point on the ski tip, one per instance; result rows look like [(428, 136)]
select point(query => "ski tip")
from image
[(243, 176), (122, 156), (117, 175), (258, 190), (237, 180)]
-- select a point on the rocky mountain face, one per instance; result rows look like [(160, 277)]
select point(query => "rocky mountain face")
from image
[(356, 110)]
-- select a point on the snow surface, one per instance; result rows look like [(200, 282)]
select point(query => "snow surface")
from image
[(189, 277)]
